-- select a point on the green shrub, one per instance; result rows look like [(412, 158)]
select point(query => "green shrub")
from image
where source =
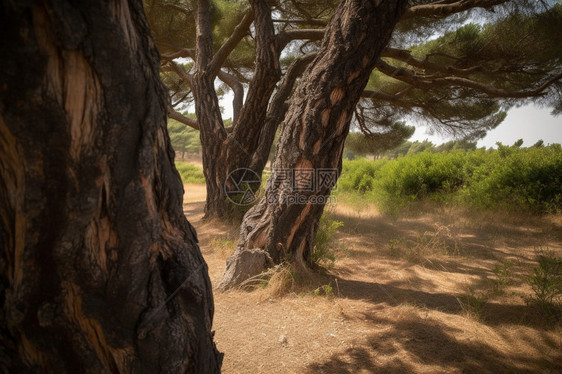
[(528, 178), (473, 303), (325, 246), (190, 173), (546, 283), (358, 175), (503, 274), (326, 290), (509, 177)]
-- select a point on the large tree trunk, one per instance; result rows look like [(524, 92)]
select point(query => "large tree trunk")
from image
[(284, 223), (276, 113), (225, 153), (100, 270)]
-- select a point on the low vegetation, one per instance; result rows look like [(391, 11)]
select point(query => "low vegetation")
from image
[(324, 254), (190, 173), (546, 283), (507, 178)]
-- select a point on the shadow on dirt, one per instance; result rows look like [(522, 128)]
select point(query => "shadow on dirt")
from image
[(410, 342), (430, 345)]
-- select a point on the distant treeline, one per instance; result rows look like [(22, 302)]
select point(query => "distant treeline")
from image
[(357, 146), (509, 177), (184, 139)]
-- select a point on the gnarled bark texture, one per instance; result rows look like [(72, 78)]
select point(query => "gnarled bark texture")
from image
[(100, 270), (224, 153), (284, 223)]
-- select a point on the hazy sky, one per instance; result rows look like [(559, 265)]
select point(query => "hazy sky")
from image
[(528, 123)]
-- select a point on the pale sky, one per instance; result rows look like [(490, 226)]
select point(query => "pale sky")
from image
[(528, 123)]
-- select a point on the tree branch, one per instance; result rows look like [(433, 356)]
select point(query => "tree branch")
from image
[(188, 78), (180, 100), (224, 51), (301, 21), (405, 56), (410, 77), (238, 90), (285, 37), (181, 118), (442, 10), (183, 52)]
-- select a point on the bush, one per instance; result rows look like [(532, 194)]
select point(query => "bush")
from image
[(509, 177), (528, 178), (325, 246), (503, 274), (473, 303), (190, 173), (546, 283)]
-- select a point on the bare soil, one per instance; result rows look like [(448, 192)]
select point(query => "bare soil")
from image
[(412, 294)]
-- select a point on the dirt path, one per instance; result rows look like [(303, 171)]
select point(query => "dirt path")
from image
[(409, 295)]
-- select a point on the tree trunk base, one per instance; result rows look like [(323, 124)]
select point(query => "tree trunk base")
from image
[(242, 265)]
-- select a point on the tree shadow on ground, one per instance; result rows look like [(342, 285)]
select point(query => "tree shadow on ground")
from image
[(413, 343), (192, 210), (395, 294), (472, 238)]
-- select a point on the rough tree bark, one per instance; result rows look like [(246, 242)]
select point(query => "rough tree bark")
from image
[(312, 139), (247, 143), (224, 152), (276, 112), (100, 270)]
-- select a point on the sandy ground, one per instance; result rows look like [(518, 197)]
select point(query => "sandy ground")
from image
[(400, 300)]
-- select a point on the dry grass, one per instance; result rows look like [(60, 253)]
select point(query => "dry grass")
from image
[(278, 281), (436, 312), (194, 193), (223, 246)]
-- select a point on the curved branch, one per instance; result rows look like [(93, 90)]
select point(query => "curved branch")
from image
[(410, 77), (180, 100), (181, 118), (295, 69), (238, 90), (187, 12), (442, 10), (314, 22), (285, 37), (188, 78), (224, 51), (183, 52), (406, 56)]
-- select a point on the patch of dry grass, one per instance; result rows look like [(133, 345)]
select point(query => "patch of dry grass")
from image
[(223, 246)]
